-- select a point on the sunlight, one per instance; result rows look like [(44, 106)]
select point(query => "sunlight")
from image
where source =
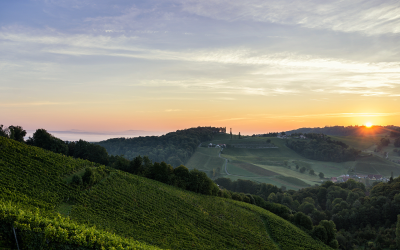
[(368, 124)]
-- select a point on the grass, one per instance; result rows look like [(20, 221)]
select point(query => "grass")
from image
[(253, 168), (293, 180), (206, 159), (376, 165), (68, 178), (64, 208), (359, 142)]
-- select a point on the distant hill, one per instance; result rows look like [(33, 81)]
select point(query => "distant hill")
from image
[(175, 148), (118, 210), (346, 131)]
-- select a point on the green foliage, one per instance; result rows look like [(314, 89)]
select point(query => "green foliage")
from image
[(37, 232), (30, 174), (302, 220), (93, 175), (302, 169), (17, 133), (319, 232), (322, 148), (77, 180), (175, 148), (321, 175), (285, 234), (398, 231), (3, 131), (42, 139), (88, 151)]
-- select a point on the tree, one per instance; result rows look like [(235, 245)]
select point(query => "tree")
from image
[(321, 175), (330, 228), (302, 169), (319, 232), (398, 231), (303, 220), (181, 175), (311, 172), (17, 133), (42, 139), (4, 132), (135, 165)]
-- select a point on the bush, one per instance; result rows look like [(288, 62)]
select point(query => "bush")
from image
[(77, 180)]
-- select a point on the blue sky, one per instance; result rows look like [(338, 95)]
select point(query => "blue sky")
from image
[(165, 65)]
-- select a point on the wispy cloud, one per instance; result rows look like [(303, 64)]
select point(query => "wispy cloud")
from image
[(27, 104), (366, 16), (172, 110), (327, 115)]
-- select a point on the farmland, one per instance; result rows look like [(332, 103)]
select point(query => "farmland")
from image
[(268, 164)]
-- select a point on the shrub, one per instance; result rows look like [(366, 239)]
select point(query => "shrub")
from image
[(77, 180)]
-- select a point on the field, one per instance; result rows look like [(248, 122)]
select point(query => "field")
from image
[(207, 160), (271, 165), (123, 211)]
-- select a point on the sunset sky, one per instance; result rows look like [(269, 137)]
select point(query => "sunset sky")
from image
[(156, 66)]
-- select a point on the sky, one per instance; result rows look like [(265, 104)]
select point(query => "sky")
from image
[(117, 66)]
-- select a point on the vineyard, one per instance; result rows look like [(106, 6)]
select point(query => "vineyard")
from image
[(124, 211)]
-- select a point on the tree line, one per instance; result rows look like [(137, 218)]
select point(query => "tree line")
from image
[(346, 130), (320, 147), (175, 148), (363, 217)]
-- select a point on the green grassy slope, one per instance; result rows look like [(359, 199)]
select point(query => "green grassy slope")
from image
[(206, 159), (247, 163), (359, 142), (144, 211)]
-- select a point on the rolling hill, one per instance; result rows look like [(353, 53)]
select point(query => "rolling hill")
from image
[(277, 166), (123, 211)]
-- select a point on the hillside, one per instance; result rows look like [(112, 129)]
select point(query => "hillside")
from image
[(277, 166), (174, 147), (142, 213)]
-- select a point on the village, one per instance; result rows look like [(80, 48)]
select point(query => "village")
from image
[(365, 179)]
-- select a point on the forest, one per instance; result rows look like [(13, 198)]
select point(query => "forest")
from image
[(363, 217), (320, 147)]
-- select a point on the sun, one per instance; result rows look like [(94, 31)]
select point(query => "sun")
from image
[(368, 124)]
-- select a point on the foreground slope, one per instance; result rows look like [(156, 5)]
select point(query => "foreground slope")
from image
[(141, 210)]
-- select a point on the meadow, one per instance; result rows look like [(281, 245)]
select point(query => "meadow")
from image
[(277, 166)]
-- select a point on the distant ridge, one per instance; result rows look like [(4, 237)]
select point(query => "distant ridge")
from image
[(346, 131)]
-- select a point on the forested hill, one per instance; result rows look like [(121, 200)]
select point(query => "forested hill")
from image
[(345, 131), (175, 148)]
